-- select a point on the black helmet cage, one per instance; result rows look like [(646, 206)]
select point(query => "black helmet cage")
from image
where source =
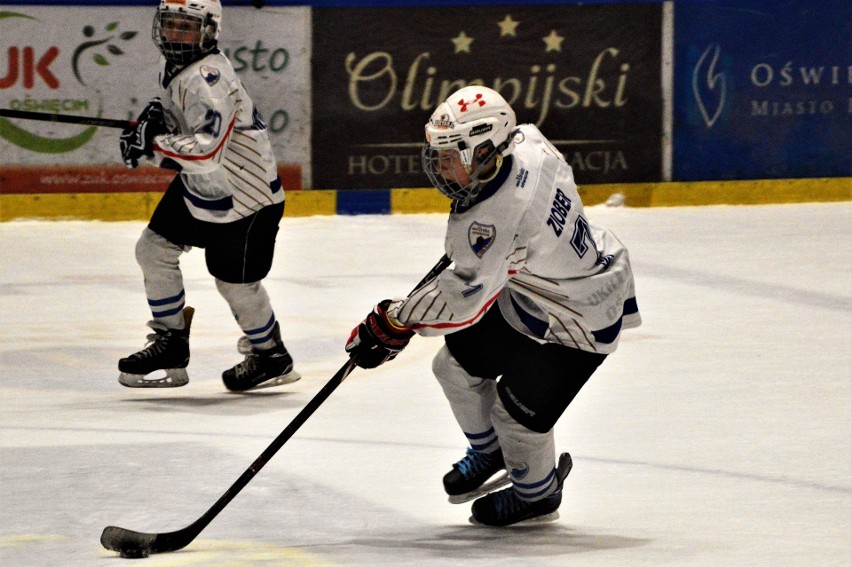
[(179, 53), (464, 194)]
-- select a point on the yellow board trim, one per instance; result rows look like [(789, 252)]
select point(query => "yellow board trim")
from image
[(86, 206), (675, 194), (407, 201), (310, 203), (139, 206), (698, 193), (133, 206)]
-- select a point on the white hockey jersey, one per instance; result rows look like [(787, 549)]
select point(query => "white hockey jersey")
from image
[(527, 245), (218, 140)]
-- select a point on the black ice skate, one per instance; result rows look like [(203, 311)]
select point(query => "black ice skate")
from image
[(471, 477), (167, 349), (262, 368), (504, 508)]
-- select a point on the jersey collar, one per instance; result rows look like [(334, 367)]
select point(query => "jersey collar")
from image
[(171, 71), (490, 188)]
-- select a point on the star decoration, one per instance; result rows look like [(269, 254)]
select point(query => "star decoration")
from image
[(508, 26), (462, 42), (553, 42)]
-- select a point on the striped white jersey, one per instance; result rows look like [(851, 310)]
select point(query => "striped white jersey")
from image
[(527, 245), (218, 140)]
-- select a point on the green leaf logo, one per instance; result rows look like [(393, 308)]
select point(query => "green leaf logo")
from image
[(99, 58), (41, 144)]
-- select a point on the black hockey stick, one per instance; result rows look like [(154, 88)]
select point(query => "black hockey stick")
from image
[(131, 543), (66, 118)]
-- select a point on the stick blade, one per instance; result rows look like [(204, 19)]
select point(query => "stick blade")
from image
[(123, 540), (130, 543)]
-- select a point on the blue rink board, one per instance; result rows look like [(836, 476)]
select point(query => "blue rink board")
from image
[(762, 90)]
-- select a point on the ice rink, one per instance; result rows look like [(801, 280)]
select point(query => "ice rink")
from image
[(719, 434)]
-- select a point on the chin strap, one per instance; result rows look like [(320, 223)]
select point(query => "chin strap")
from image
[(498, 162)]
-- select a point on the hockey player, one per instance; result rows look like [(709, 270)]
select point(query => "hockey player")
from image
[(535, 301), (226, 198)]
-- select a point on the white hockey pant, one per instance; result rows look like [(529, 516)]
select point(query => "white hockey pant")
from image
[(159, 260), (252, 310), (530, 456)]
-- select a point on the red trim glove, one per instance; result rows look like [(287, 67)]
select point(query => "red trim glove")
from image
[(377, 339)]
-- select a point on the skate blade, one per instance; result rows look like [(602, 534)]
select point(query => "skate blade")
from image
[(288, 378), (532, 522), (174, 378), (490, 486)]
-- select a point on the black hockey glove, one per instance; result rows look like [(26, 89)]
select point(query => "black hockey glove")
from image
[(377, 340), (137, 140)]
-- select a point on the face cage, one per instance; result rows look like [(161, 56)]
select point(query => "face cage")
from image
[(464, 194), (175, 52)]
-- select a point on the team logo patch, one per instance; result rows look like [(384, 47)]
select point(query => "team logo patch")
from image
[(481, 237), (210, 74)]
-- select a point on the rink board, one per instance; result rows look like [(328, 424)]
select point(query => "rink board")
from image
[(140, 205)]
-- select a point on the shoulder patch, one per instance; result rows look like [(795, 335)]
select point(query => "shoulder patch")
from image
[(481, 237), (210, 74)]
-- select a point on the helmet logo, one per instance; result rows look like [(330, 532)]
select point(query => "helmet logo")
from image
[(477, 100), (177, 2), (442, 121)]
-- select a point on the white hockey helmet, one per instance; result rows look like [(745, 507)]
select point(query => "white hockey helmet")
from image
[(183, 30), (479, 124)]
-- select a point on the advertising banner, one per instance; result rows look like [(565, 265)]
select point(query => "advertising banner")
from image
[(762, 89), (587, 76), (92, 61)]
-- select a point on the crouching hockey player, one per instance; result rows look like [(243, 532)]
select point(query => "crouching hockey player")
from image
[(535, 301), (226, 198)]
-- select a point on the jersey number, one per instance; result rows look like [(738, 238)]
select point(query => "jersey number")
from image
[(581, 235), (257, 122), (212, 123)]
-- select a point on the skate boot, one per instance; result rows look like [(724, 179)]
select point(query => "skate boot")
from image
[(469, 477), (167, 349), (270, 367), (504, 508)]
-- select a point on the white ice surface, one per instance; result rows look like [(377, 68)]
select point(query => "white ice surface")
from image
[(718, 434)]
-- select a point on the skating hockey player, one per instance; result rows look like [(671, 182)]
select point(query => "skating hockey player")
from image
[(226, 198), (535, 301)]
